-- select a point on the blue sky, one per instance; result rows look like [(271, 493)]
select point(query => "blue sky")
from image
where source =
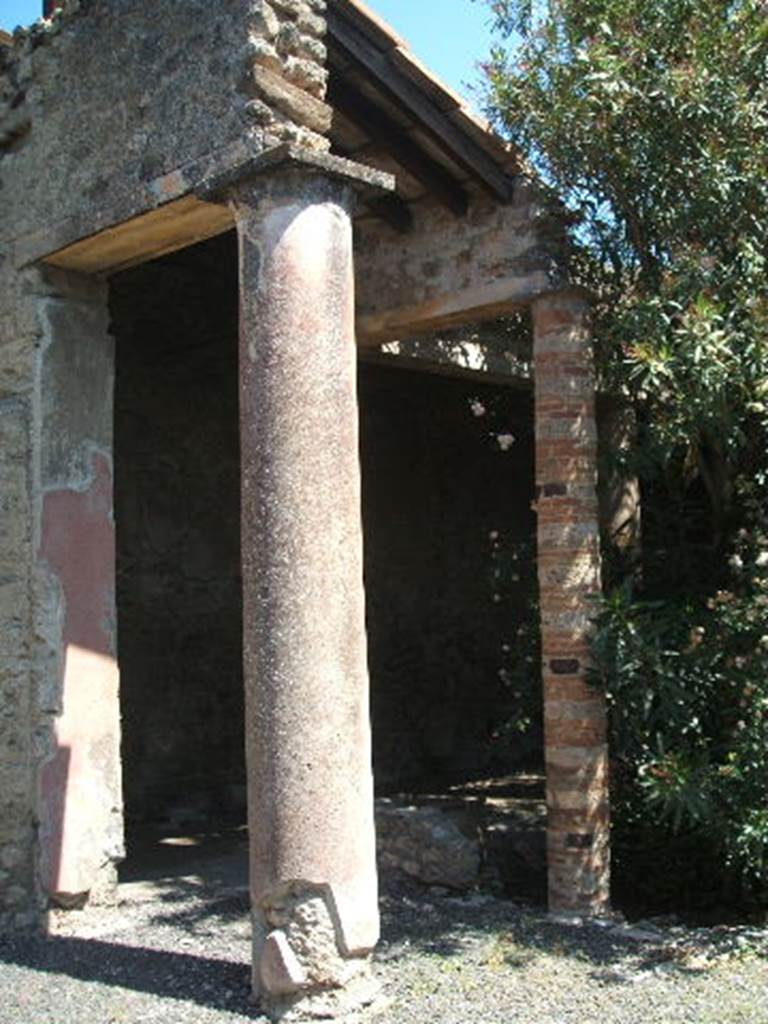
[(18, 12), (450, 36)]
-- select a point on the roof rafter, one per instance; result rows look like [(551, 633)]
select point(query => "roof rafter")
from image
[(390, 208), (389, 79), (385, 132)]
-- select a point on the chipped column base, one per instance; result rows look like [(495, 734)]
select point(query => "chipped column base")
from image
[(357, 1000), (302, 968)]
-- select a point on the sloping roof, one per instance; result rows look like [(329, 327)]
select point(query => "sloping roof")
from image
[(392, 112)]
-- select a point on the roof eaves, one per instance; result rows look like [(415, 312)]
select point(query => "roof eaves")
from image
[(449, 102)]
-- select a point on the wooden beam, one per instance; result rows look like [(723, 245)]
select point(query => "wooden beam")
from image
[(376, 65), (454, 309), (172, 226), (390, 208), (385, 132)]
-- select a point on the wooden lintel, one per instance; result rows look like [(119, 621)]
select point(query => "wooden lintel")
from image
[(391, 81), (419, 364), (484, 302), (385, 132), (165, 229)]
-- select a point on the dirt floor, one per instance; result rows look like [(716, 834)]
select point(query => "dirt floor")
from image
[(176, 949)]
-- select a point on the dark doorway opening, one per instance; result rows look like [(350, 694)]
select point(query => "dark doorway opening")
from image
[(447, 470), (450, 590), (453, 626), (177, 486)]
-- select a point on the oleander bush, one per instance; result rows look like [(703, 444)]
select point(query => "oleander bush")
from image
[(646, 121)]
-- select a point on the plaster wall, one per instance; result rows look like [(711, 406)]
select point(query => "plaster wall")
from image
[(80, 802), (60, 736)]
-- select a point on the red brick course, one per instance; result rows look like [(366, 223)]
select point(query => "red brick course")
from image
[(569, 579)]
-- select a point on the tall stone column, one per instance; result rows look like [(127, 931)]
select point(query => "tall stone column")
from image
[(310, 793), (569, 576)]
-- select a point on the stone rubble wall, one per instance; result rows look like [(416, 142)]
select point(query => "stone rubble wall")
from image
[(19, 332), (433, 845), (448, 265), (107, 97)]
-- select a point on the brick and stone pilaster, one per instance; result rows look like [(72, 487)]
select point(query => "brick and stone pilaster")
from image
[(569, 577), (310, 793)]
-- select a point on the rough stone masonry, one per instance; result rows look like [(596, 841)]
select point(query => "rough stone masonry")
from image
[(128, 130)]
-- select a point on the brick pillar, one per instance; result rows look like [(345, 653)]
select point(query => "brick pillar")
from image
[(310, 791), (569, 575)]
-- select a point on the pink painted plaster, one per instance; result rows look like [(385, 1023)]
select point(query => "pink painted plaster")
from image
[(80, 783)]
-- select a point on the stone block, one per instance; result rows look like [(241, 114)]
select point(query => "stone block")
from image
[(428, 844), (280, 969)]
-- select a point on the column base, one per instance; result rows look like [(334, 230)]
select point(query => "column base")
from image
[(360, 999), (304, 967), (606, 918)]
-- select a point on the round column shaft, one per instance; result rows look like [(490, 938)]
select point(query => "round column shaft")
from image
[(310, 792)]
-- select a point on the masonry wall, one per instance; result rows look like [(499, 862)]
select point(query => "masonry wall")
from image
[(100, 105), (19, 331), (449, 269)]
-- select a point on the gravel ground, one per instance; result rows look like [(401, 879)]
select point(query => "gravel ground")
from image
[(176, 950)]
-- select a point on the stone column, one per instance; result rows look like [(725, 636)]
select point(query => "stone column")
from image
[(569, 576), (310, 792)]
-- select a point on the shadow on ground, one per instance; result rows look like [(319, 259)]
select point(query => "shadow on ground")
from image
[(187, 898), (217, 984), (515, 935)]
